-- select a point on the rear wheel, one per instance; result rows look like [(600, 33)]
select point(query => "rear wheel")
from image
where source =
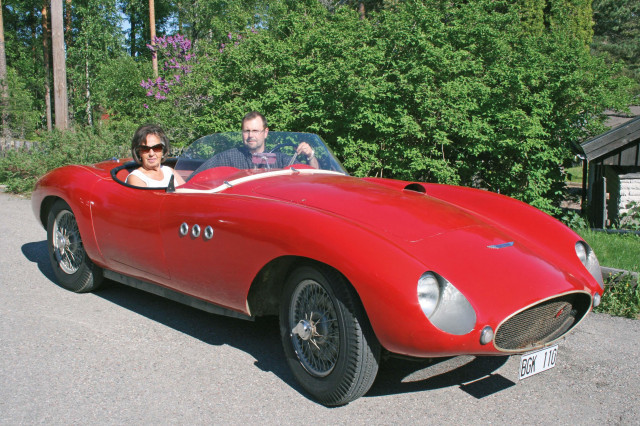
[(327, 340), (71, 265)]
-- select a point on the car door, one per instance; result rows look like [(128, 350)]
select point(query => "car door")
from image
[(219, 260), (126, 223)]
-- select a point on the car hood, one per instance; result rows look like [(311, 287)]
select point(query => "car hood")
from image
[(401, 214), (453, 241)]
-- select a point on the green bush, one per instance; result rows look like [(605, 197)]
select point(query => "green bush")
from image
[(23, 118), (631, 218), (444, 92), (621, 299), (19, 169), (117, 89)]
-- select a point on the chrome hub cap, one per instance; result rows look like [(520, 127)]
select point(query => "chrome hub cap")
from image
[(67, 244), (314, 330)]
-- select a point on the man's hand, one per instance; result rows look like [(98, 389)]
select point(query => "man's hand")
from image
[(306, 150)]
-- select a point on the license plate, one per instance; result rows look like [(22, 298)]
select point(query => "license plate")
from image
[(538, 361)]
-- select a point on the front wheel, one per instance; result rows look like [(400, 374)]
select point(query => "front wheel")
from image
[(71, 265), (327, 340)]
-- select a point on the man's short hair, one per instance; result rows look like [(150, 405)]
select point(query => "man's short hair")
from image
[(254, 114)]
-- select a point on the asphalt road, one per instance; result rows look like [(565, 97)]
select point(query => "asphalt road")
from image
[(121, 356)]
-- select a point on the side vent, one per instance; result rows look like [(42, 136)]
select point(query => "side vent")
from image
[(415, 187)]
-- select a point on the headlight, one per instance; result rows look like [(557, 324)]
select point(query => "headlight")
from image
[(590, 261), (444, 305), (428, 293)]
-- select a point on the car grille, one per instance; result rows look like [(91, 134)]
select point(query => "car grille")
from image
[(542, 323)]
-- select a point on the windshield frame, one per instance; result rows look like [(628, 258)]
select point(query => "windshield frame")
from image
[(215, 148)]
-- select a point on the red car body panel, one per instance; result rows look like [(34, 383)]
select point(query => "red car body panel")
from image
[(379, 235)]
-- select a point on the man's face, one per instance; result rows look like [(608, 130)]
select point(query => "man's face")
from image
[(253, 134)]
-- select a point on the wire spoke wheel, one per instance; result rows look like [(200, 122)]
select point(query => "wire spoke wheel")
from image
[(67, 243), (315, 334), (69, 260), (327, 339)]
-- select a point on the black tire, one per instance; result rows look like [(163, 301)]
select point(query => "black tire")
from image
[(327, 340), (71, 265)]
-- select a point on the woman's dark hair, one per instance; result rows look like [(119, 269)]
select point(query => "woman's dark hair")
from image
[(140, 136)]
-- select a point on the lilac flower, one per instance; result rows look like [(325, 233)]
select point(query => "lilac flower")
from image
[(175, 50)]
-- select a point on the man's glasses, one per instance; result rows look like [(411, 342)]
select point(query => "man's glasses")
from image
[(144, 149), (248, 132)]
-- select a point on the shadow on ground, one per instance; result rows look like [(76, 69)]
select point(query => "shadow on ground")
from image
[(261, 340)]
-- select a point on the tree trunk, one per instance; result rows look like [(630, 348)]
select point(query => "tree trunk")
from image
[(361, 10), (180, 17), (152, 30), (132, 25), (4, 89), (61, 105), (67, 19), (86, 76), (47, 68)]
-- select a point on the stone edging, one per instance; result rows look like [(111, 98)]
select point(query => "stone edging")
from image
[(617, 274)]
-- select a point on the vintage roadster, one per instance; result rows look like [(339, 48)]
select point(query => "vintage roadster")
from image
[(354, 267)]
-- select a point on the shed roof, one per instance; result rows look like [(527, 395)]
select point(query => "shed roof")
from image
[(625, 137)]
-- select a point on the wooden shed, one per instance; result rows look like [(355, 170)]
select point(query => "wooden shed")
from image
[(611, 177)]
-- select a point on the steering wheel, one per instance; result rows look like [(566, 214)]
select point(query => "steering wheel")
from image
[(283, 144)]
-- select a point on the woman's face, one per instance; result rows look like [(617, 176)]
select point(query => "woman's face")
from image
[(151, 152)]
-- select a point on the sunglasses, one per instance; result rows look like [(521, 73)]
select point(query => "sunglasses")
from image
[(144, 149)]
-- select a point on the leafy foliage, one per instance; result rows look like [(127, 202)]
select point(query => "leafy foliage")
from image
[(488, 93), (621, 298), (429, 91), (23, 118), (574, 220), (117, 93), (96, 39), (617, 32), (630, 219), (19, 169)]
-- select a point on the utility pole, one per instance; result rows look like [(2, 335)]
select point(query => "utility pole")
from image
[(152, 27), (4, 88), (61, 105)]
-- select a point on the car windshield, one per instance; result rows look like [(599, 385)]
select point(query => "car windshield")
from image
[(226, 152)]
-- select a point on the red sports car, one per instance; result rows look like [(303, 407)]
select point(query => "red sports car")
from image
[(352, 266)]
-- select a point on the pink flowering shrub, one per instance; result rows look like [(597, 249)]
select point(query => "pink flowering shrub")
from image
[(177, 62)]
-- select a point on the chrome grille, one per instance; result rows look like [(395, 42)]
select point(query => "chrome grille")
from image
[(542, 323)]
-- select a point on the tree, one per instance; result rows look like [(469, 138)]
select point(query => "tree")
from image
[(152, 26), (617, 32), (434, 91), (96, 39), (138, 13), (46, 59), (59, 66), (4, 90)]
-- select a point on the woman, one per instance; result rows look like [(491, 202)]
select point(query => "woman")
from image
[(149, 148)]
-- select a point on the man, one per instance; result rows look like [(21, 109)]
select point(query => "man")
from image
[(254, 134)]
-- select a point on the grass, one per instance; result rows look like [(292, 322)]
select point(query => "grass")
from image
[(574, 174), (614, 250), (622, 294)]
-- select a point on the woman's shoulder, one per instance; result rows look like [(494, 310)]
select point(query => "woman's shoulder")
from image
[(137, 172)]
